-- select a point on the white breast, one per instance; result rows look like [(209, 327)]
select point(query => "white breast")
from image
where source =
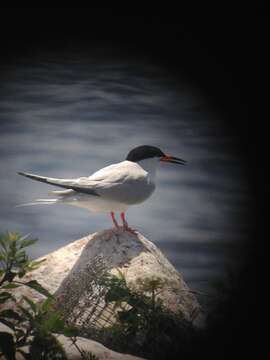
[(118, 186)]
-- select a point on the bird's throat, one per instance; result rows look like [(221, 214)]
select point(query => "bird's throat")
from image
[(150, 166)]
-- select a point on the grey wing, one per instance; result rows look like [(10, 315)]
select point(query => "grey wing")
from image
[(124, 182), (83, 184)]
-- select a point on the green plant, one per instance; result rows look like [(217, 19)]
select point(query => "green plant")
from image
[(14, 261), (143, 325), (31, 324)]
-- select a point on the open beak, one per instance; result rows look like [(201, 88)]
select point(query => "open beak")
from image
[(172, 159)]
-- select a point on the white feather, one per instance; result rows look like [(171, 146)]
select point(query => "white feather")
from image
[(113, 188), (39, 202)]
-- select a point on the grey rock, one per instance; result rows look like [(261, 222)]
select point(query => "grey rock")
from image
[(74, 352), (66, 273)]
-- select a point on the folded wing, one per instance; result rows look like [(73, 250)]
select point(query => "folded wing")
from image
[(125, 182), (82, 185)]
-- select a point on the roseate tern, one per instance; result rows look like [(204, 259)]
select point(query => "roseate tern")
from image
[(113, 188)]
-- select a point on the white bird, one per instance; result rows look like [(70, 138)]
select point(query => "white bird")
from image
[(113, 188)]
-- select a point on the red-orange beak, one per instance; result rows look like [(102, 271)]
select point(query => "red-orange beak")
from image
[(172, 159)]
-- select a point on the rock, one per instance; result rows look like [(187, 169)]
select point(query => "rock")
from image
[(101, 352), (72, 352), (69, 272), (132, 254), (137, 258)]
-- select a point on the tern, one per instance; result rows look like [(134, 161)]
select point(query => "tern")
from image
[(113, 188)]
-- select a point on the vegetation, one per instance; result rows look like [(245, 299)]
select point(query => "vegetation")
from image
[(30, 324), (143, 326), (101, 306)]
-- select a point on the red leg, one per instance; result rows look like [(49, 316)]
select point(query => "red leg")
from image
[(125, 224), (114, 220)]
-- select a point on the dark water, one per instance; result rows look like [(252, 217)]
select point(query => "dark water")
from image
[(68, 117)]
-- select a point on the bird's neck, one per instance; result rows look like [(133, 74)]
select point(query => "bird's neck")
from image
[(150, 166)]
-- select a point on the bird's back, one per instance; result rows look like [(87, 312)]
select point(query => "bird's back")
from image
[(125, 182)]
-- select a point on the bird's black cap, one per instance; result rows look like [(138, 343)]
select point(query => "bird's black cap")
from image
[(144, 152)]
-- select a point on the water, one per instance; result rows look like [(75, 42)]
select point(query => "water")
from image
[(68, 117)]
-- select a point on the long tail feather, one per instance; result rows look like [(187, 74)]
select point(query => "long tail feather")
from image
[(39, 202), (70, 184)]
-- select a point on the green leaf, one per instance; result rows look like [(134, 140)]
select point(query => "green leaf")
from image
[(121, 276), (33, 284), (7, 345), (27, 242), (54, 323), (117, 293), (11, 314), (3, 242), (70, 331), (32, 305), (46, 346), (13, 236), (4, 296), (21, 273), (46, 305), (21, 257), (11, 286), (26, 313), (130, 316), (35, 264)]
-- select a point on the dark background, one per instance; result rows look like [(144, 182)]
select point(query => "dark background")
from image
[(226, 54)]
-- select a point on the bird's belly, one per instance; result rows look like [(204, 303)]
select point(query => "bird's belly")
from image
[(97, 204)]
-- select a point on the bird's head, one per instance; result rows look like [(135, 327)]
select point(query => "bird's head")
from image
[(149, 156), (144, 152)]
